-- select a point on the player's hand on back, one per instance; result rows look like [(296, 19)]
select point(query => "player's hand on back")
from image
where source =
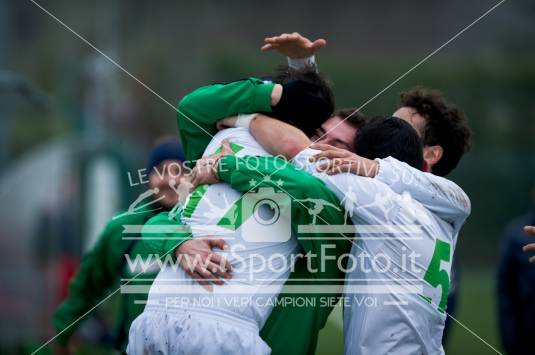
[(293, 45), (530, 247), (197, 259), (337, 160)]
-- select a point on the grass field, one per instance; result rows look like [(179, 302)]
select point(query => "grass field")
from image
[(476, 310)]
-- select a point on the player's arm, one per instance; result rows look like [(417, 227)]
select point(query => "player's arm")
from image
[(265, 172), (277, 137), (164, 236), (199, 111), (252, 172), (439, 195), (282, 176), (98, 272), (249, 173), (365, 189)]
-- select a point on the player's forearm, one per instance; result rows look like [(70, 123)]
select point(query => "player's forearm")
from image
[(277, 137), (239, 172), (162, 235)]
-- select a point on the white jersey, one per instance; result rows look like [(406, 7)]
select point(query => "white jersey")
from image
[(213, 210), (398, 275)]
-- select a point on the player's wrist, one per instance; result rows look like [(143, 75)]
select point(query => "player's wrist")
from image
[(244, 120), (180, 248), (373, 168)]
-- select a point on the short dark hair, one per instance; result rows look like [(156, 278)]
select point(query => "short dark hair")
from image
[(446, 126), (383, 137), (353, 117), (307, 99)]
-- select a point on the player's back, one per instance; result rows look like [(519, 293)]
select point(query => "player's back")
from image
[(398, 288), (397, 277)]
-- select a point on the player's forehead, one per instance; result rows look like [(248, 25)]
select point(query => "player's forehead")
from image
[(412, 117), (336, 127)]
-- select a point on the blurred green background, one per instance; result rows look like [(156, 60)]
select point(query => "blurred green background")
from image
[(64, 105)]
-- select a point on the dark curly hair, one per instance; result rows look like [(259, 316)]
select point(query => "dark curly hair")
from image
[(446, 126)]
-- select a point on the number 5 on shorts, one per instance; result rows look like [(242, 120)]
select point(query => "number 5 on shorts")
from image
[(435, 276)]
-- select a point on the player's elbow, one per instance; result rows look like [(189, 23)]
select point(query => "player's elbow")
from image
[(466, 206), (184, 104), (458, 199), (463, 203)]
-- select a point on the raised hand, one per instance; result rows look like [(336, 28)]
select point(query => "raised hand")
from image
[(293, 45)]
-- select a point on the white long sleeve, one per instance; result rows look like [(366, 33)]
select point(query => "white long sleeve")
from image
[(439, 195)]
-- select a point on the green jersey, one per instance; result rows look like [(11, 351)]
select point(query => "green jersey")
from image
[(99, 275)]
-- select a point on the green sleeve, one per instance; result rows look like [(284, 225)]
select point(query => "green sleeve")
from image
[(304, 323), (252, 172), (199, 111), (162, 235), (98, 272)]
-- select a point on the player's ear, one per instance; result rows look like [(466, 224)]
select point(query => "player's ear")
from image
[(432, 155)]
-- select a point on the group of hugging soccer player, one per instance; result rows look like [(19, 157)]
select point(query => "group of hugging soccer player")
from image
[(279, 209)]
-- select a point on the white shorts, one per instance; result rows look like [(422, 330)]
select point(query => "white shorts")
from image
[(173, 331)]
